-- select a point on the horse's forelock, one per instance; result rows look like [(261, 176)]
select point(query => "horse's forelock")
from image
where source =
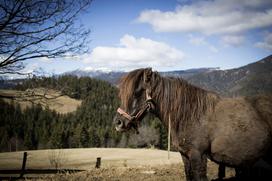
[(127, 86)]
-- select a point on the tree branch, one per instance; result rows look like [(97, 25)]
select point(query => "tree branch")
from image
[(30, 27)]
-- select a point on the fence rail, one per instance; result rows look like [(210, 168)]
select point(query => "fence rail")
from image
[(23, 171), (39, 171)]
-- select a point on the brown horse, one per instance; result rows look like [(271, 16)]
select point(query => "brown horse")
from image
[(235, 132)]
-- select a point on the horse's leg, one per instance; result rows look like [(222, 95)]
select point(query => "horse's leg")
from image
[(221, 171), (187, 168), (198, 164), (203, 168)]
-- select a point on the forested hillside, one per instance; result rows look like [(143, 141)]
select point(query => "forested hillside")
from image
[(89, 126), (249, 80)]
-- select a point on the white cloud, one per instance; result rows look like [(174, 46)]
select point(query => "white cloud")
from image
[(102, 69), (233, 40), (213, 49), (30, 68), (200, 41), (46, 60), (212, 17), (266, 43), (134, 53), (197, 40)]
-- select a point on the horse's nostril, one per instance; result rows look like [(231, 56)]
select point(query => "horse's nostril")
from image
[(119, 122)]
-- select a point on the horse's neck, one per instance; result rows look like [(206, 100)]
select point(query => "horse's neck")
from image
[(180, 102)]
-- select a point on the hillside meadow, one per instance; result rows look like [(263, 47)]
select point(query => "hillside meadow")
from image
[(47, 98)]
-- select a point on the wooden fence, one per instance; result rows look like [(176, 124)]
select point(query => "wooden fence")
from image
[(23, 171)]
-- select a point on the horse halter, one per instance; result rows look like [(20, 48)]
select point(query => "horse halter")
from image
[(134, 120)]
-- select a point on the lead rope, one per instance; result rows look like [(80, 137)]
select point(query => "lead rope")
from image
[(169, 136)]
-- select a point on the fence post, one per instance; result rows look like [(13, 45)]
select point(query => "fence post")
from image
[(98, 162), (23, 165)]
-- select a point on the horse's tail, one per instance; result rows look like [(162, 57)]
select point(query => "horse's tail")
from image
[(263, 106)]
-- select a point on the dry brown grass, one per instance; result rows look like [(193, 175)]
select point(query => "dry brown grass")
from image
[(45, 97), (117, 164), (173, 172), (85, 158)]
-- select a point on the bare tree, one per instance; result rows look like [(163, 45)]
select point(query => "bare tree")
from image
[(31, 29)]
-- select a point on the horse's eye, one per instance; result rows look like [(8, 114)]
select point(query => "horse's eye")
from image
[(137, 94)]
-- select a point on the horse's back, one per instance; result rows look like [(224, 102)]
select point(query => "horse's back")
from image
[(263, 106), (239, 134)]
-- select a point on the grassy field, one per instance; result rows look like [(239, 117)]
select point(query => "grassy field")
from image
[(116, 164), (45, 97), (85, 158)]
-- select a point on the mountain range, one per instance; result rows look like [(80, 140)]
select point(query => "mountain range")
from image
[(114, 76), (251, 79), (254, 78)]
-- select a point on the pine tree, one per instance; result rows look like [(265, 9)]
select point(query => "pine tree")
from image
[(4, 140), (84, 137)]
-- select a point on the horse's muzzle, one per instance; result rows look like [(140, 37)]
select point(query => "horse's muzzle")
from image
[(119, 124)]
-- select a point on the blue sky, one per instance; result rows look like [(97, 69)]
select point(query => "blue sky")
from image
[(171, 35)]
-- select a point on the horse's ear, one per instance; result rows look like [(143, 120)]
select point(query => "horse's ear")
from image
[(147, 75)]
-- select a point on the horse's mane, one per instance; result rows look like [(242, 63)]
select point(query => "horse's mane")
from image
[(173, 97)]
